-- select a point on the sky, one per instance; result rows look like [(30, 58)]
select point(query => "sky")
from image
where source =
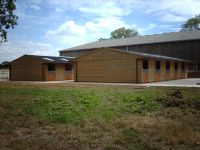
[(47, 26)]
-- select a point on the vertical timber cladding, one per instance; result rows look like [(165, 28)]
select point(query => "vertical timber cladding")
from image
[(163, 71), (60, 72), (106, 66)]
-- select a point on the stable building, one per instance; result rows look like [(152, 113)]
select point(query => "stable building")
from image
[(41, 68), (113, 65)]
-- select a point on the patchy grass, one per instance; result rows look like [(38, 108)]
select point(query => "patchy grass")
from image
[(41, 117)]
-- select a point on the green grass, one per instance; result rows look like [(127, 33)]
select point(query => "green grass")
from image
[(73, 105), (97, 117)]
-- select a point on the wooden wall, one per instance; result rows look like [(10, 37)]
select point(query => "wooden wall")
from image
[(26, 69), (106, 66)]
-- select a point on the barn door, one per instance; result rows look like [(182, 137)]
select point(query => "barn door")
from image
[(145, 71), (51, 72)]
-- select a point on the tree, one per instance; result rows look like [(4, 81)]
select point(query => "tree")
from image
[(7, 18), (192, 24), (123, 33), (102, 39), (5, 64)]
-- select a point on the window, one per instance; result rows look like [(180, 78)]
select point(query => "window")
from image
[(68, 67), (157, 65), (167, 65), (183, 66), (51, 67), (145, 64), (176, 66), (198, 67)]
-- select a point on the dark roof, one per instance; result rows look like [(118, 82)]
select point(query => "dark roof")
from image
[(148, 39), (53, 59), (143, 55), (155, 56)]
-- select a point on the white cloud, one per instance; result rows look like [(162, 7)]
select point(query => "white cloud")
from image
[(150, 26), (11, 50), (36, 7), (71, 33), (172, 18), (172, 10), (110, 8)]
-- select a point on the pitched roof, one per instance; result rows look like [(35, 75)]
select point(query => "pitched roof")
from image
[(143, 55), (148, 39), (53, 59)]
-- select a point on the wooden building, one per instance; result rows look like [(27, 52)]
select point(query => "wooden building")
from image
[(183, 45), (113, 65), (41, 68)]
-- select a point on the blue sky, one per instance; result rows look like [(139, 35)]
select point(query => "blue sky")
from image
[(47, 26)]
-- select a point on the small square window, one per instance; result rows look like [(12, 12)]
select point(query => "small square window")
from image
[(51, 67), (157, 65), (68, 67), (167, 65), (145, 64)]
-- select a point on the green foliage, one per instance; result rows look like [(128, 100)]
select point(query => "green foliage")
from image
[(192, 24), (5, 64), (102, 39), (123, 33), (7, 18)]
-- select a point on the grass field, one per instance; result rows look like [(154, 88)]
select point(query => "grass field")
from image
[(98, 117)]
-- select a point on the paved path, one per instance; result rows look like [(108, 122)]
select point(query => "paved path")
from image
[(191, 82)]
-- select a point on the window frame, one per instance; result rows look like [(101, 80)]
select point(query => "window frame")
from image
[(51, 65), (176, 66), (183, 67), (168, 65), (70, 68), (145, 64), (158, 66)]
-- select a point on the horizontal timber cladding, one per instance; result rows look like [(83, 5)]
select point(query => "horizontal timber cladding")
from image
[(106, 66), (26, 69)]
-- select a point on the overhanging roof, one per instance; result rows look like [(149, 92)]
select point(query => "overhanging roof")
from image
[(138, 40), (53, 59)]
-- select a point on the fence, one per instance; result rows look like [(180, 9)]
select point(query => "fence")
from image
[(4, 73)]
